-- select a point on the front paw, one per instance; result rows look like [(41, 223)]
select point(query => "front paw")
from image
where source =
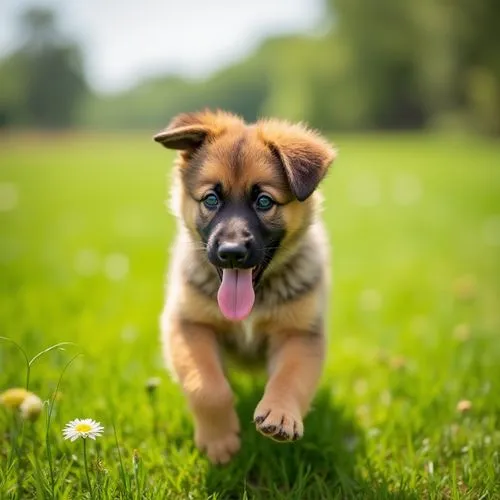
[(218, 436), (278, 422), (219, 448)]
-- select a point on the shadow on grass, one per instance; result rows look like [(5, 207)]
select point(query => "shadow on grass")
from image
[(320, 466)]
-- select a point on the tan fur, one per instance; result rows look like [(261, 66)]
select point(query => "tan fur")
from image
[(287, 320)]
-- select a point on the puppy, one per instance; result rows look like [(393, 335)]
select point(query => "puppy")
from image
[(248, 272)]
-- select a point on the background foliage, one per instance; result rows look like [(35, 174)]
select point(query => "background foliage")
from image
[(384, 65)]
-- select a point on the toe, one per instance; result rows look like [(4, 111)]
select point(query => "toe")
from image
[(279, 424), (222, 450)]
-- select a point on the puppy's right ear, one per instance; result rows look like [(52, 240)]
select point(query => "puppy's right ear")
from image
[(187, 131)]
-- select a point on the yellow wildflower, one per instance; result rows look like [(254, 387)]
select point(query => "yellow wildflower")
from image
[(12, 398), (464, 406)]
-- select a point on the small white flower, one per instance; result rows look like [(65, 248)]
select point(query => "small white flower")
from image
[(31, 407), (152, 384), (84, 428)]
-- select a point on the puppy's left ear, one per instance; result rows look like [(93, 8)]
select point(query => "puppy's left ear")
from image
[(303, 153)]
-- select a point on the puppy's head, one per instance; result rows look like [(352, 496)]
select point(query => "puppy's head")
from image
[(246, 193)]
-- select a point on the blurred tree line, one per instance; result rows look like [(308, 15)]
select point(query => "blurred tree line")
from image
[(42, 81), (389, 64)]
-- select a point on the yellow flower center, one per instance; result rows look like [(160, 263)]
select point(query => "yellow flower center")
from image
[(83, 428)]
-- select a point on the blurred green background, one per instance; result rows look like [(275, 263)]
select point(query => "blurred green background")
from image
[(357, 65), (410, 94)]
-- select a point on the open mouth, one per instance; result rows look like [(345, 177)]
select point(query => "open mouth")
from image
[(256, 273), (236, 295)]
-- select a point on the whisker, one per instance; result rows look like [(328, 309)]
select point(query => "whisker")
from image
[(201, 246)]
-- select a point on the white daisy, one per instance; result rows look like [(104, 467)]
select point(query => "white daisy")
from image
[(84, 428)]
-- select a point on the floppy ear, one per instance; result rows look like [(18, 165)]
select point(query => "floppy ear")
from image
[(187, 131), (303, 153)]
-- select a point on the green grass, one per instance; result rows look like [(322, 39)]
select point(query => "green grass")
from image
[(414, 327)]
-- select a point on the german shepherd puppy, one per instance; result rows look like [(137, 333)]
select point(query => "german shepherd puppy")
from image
[(249, 270)]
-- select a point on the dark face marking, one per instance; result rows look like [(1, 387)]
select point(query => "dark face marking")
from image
[(237, 236)]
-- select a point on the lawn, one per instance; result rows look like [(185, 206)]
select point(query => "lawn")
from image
[(409, 405)]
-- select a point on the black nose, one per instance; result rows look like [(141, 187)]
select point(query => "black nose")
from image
[(232, 254)]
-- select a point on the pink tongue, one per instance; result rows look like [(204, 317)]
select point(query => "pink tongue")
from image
[(236, 295)]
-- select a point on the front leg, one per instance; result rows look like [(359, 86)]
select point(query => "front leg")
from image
[(192, 352), (296, 361)]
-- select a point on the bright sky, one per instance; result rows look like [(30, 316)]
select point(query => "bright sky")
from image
[(125, 40)]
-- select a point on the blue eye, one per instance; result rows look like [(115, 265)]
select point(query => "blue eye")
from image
[(264, 202), (211, 201)]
